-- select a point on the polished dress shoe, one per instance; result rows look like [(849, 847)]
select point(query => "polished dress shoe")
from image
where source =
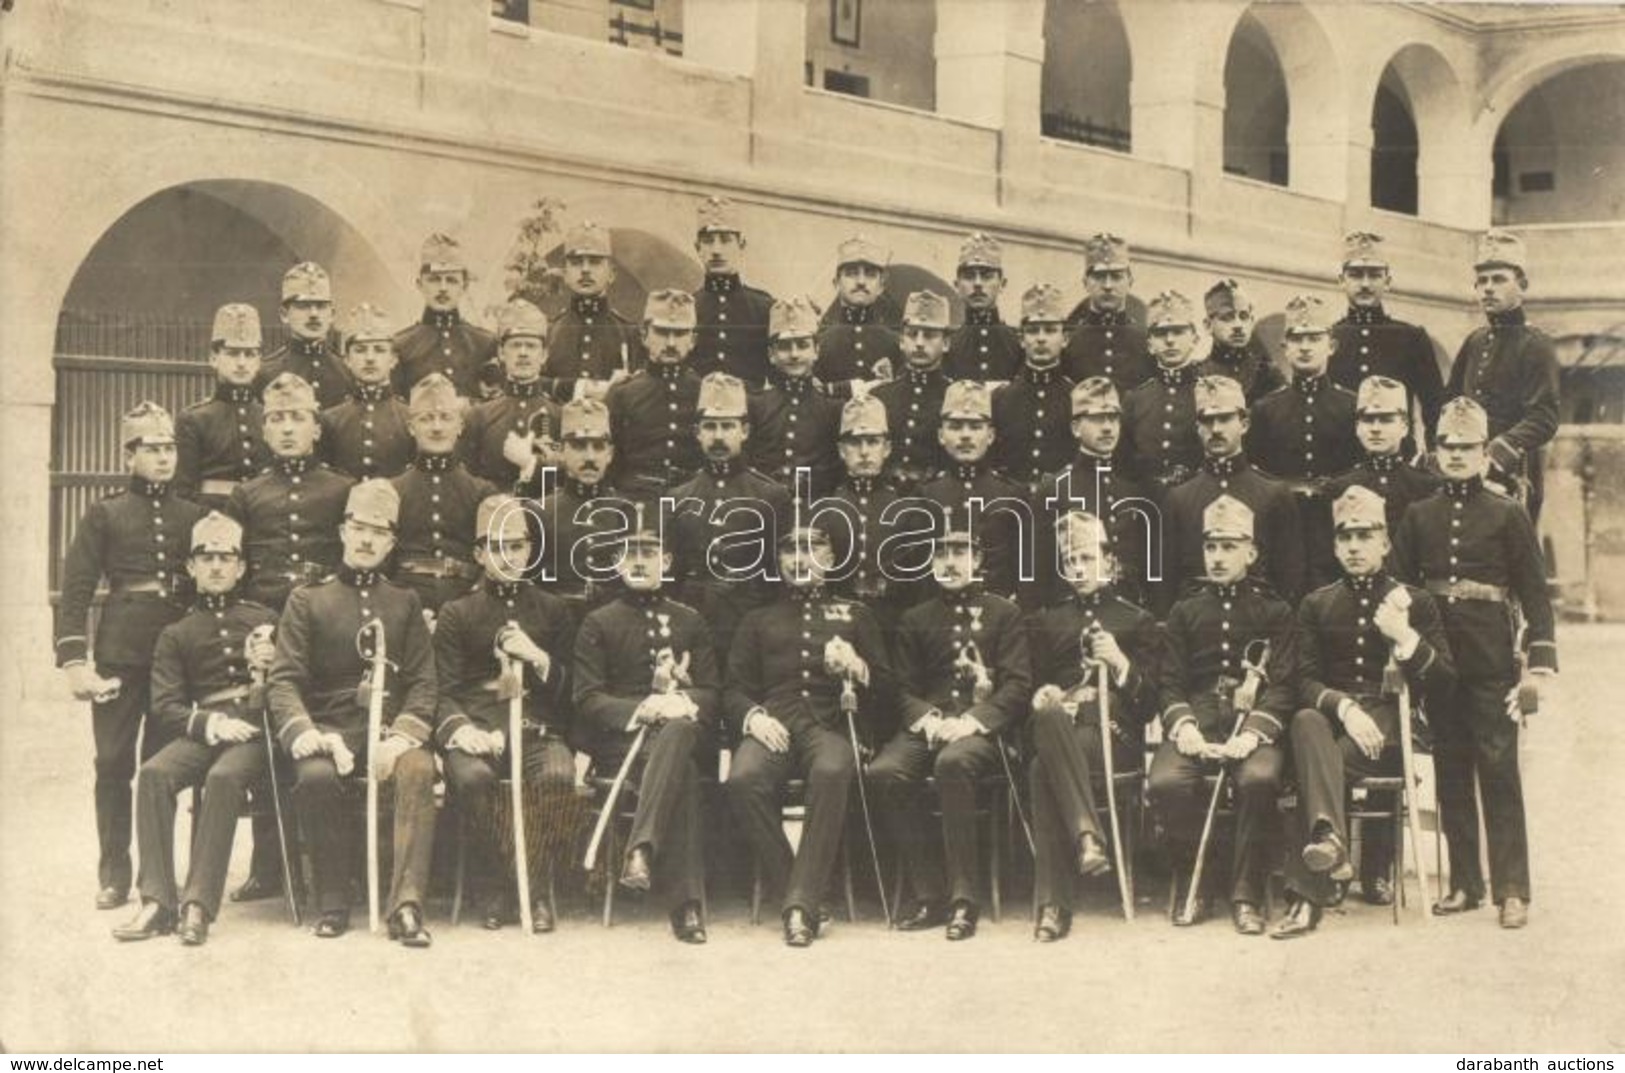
[(194, 926), (494, 915), (798, 930), (1301, 918), (1325, 854), (541, 917), (687, 925), (1457, 901), (1247, 919), (961, 922), (1377, 891), (1092, 859), (635, 876), (111, 898), (152, 919), (923, 917), (406, 927), (1514, 913), (1053, 924), (332, 924), (255, 888)]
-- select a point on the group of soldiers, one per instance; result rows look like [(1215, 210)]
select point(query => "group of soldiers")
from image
[(862, 548)]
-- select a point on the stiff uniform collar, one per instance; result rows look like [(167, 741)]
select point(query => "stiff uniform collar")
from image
[(667, 371), (216, 601), (236, 394), (503, 590), (1382, 463), (794, 385), (358, 579), (294, 467), (924, 377), (1364, 586), (1512, 318), (589, 305), (644, 598), (959, 599), (861, 486), (1229, 355), (1180, 377), (530, 389), (851, 314), (1039, 377), (580, 489), (149, 489), (1225, 467), (1375, 315), (807, 595), (444, 321), (969, 471), (435, 463), (726, 468), (1105, 319), (1227, 592), (1463, 489), (722, 282), (370, 392), (1308, 386), (1093, 601), (983, 318), (310, 348)]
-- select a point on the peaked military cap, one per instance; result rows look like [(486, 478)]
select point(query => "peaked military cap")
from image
[(146, 423), (1104, 250), (1381, 395), (1219, 395), (587, 237), (981, 250), (1170, 308), (968, 400), (517, 317), (1461, 420), (861, 250), (1227, 518), (1497, 247), (216, 532), (717, 214), (306, 281), (584, 419), (435, 392), (864, 415), (237, 325), (670, 309), (441, 253), (722, 395), (374, 502), (793, 318), (1364, 249), (1307, 314), (927, 309), (289, 391), (1095, 395), (366, 323), (1358, 508), (1042, 304)]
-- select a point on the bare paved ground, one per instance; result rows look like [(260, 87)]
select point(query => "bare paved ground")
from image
[(1358, 984)]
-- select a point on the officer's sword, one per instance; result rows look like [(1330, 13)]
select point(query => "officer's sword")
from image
[(1110, 767), (849, 707), (375, 732), (513, 677), (258, 675), (1407, 759), (971, 656)]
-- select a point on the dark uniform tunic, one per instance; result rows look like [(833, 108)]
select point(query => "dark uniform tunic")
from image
[(651, 420), (1250, 366), (315, 361), (794, 425), (1476, 551), (1032, 420), (853, 340), (290, 516), (488, 424), (617, 650), (1371, 343), (875, 560), (443, 343), (1160, 444), (138, 540), (434, 536), (1005, 524), (219, 443), (1106, 344), (777, 663), (589, 340), (200, 666), (731, 336), (913, 405), (582, 527), (983, 348), (367, 435), (1127, 508), (930, 639)]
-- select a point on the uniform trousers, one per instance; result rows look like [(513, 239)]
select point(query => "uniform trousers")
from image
[(1067, 757), (1324, 760), (1178, 794), (1474, 736), (116, 725), (898, 775), (667, 818)]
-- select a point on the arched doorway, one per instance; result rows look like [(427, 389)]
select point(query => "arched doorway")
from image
[(1088, 68), (1561, 149), (1394, 147), (1256, 108)]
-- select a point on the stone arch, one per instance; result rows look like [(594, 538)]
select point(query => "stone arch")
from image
[(1558, 150), (1435, 102), (1088, 69)]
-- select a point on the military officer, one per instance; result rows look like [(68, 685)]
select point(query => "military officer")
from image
[(442, 341), (1095, 626), (589, 346), (584, 519), (1347, 723), (1161, 446), (913, 401), (1510, 369), (135, 540), (1216, 710), (792, 662), (1032, 412), (858, 340), (218, 441), (793, 424), (963, 676), (439, 499), (731, 334), (507, 615), (1101, 338), (644, 665), (367, 435), (984, 347), (1476, 551), (501, 436), (1237, 352), (205, 694), (310, 352), (1372, 343), (320, 717), (651, 415)]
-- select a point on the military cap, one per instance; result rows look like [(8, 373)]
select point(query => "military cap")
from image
[(1077, 524), (435, 392), (1499, 247), (146, 423), (366, 323), (1307, 314), (793, 318), (237, 325), (1042, 304), (957, 529), (968, 400), (861, 250), (1219, 395), (1358, 508), (927, 309), (1380, 395), (517, 317), (306, 281), (1104, 251), (584, 419), (217, 532), (1172, 308), (981, 250), (721, 395), (1461, 420), (864, 415), (642, 530), (670, 309), (441, 253), (587, 238), (497, 515), (1363, 248), (1227, 518), (289, 391), (1095, 395), (374, 502), (804, 534), (1224, 296), (718, 214)]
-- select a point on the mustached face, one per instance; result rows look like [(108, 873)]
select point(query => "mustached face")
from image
[(216, 572), (308, 318)]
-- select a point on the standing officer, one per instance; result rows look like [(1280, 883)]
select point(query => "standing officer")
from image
[(442, 341), (793, 424), (1347, 724), (584, 519), (1213, 636), (203, 693), (506, 614), (217, 441), (731, 335), (913, 401), (590, 345), (1101, 339), (320, 717), (1371, 343), (858, 340), (1476, 550), (789, 667), (134, 539), (964, 676), (984, 347), (1031, 413), (1510, 369), (307, 312), (651, 415), (367, 435), (1237, 351), (501, 434), (1161, 446), (644, 664)]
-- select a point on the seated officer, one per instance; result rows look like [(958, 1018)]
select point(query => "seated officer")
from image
[(217, 441), (984, 347), (533, 628), (1237, 351), (204, 692), (1348, 723), (1032, 411), (789, 666), (366, 435), (1160, 445), (1094, 626), (963, 676), (913, 401), (1225, 689), (503, 435), (644, 664), (320, 716)]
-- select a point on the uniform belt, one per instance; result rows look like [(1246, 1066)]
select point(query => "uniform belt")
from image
[(224, 696), (150, 584), (440, 568), (1469, 590), (217, 487)]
